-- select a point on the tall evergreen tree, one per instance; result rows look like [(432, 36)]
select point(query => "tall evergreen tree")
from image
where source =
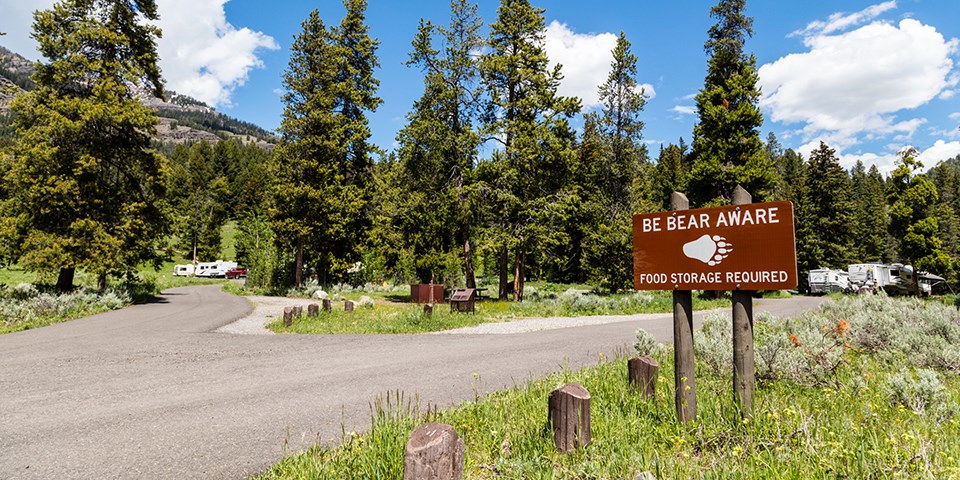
[(670, 172), (439, 145), (825, 221), (870, 212), (323, 166), (199, 200), (86, 185), (531, 120), (912, 197), (727, 150), (618, 177)]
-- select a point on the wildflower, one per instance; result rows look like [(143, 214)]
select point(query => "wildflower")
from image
[(794, 340), (842, 328)]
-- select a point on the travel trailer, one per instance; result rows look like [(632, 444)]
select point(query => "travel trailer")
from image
[(217, 269), (824, 280), (183, 270), (894, 279)]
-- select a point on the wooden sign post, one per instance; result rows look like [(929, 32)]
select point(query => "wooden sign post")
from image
[(743, 247)]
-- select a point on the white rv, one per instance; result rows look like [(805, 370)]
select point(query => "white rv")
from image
[(183, 270), (216, 269), (824, 280)]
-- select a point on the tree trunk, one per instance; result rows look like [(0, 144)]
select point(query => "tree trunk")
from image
[(65, 279), (298, 269), (519, 264), (102, 282), (468, 263), (503, 272)]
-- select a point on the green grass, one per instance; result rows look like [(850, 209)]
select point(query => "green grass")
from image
[(850, 430), (397, 317)]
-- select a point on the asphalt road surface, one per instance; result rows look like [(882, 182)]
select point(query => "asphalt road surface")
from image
[(151, 392)]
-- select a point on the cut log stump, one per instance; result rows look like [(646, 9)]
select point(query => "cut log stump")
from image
[(313, 310), (434, 452), (428, 309), (298, 312), (642, 372), (327, 305), (348, 306), (570, 417), (287, 316)]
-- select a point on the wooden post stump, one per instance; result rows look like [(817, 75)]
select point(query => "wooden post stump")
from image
[(428, 309), (348, 306), (298, 312), (313, 310), (287, 316), (685, 385), (570, 417), (327, 305), (434, 452), (642, 373), (744, 366)]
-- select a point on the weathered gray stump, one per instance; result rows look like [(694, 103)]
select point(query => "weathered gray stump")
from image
[(428, 309), (298, 312), (570, 417), (685, 386), (327, 305), (287, 316), (744, 367), (313, 310), (642, 373), (434, 452), (348, 306)]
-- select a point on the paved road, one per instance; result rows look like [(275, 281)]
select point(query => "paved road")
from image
[(151, 392)]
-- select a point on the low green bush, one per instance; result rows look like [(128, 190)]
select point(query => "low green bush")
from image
[(26, 306)]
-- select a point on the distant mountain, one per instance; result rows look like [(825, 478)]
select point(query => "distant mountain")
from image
[(182, 119)]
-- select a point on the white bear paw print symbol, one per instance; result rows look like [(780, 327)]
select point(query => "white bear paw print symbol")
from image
[(708, 249)]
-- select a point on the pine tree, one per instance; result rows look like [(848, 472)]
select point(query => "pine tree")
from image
[(825, 221), (199, 201), (86, 185), (439, 145), (727, 150), (670, 172), (911, 197), (323, 166), (617, 178), (531, 120), (870, 212)]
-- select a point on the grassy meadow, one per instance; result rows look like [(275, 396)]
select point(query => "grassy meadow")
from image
[(864, 388)]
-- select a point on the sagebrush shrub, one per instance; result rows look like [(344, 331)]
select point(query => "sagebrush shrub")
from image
[(646, 344), (917, 391)]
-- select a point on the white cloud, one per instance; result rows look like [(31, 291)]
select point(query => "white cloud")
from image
[(955, 116), (585, 61), (884, 162), (684, 110), (947, 94), (202, 55), (940, 150), (842, 21), (854, 83)]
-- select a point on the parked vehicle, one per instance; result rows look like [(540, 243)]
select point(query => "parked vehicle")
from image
[(824, 280), (183, 270), (894, 279), (217, 269), (239, 272)]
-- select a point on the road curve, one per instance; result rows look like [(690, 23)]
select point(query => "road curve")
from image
[(151, 391)]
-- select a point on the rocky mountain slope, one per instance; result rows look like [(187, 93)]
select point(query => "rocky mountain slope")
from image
[(182, 119)]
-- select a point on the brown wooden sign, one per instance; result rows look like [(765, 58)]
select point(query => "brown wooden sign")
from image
[(744, 247)]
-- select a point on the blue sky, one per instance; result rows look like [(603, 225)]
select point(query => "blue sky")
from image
[(867, 77)]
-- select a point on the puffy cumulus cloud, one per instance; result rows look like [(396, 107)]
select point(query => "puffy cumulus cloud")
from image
[(940, 151), (585, 61), (855, 82), (842, 21), (885, 162), (684, 110), (202, 55)]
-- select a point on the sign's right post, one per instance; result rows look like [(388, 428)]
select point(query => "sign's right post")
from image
[(744, 368)]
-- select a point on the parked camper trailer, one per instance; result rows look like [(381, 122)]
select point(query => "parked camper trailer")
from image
[(216, 269), (895, 279), (183, 270), (824, 280)]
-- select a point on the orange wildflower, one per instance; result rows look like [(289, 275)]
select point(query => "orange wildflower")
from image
[(794, 340), (842, 328)]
